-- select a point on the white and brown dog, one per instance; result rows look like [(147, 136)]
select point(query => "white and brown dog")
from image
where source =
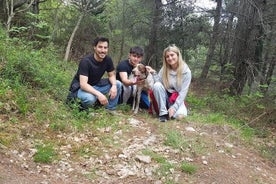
[(139, 73)]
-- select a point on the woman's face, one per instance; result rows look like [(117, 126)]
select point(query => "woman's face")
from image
[(171, 59)]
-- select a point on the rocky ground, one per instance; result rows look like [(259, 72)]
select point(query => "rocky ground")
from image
[(218, 154)]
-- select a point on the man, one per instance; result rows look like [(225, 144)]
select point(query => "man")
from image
[(88, 84), (123, 72)]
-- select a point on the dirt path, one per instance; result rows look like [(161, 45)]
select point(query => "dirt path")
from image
[(218, 157)]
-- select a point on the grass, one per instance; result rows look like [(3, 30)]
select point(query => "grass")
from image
[(175, 140), (188, 168), (44, 154), (156, 157)]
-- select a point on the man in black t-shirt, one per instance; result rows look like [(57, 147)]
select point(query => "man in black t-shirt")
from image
[(123, 72), (88, 84)]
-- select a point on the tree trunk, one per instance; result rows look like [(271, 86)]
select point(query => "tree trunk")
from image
[(269, 48), (247, 37), (68, 48), (151, 50), (213, 41), (228, 43), (268, 64), (123, 31)]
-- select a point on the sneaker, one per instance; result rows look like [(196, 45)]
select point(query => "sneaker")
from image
[(163, 118)]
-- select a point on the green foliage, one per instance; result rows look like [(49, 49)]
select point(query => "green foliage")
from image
[(34, 29), (215, 118), (248, 133), (154, 156), (194, 102), (175, 139), (21, 99), (102, 119), (165, 169), (196, 59), (44, 154), (124, 107), (38, 69), (188, 168), (240, 112), (268, 152)]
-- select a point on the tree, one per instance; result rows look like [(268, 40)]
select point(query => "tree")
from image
[(84, 7), (227, 41), (151, 50), (269, 47), (213, 40), (247, 37), (12, 7), (35, 6)]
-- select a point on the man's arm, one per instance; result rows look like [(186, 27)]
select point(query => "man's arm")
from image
[(112, 80), (125, 80)]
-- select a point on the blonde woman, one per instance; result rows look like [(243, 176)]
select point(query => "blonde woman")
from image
[(171, 84)]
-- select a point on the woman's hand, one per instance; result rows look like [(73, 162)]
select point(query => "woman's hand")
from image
[(150, 70), (171, 112)]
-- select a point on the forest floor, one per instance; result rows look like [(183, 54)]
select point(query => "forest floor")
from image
[(217, 152)]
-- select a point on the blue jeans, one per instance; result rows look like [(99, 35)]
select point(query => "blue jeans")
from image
[(88, 99), (127, 97)]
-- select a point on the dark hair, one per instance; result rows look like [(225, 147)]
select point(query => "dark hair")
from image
[(136, 50), (100, 39)]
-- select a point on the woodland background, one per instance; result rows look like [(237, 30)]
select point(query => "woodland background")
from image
[(233, 42)]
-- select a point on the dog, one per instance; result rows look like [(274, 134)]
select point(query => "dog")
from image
[(140, 72)]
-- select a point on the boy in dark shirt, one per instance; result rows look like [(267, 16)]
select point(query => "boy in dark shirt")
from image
[(123, 72)]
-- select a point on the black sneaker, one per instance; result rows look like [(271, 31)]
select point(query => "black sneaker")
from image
[(163, 118)]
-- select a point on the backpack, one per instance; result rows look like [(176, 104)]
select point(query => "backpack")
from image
[(73, 91)]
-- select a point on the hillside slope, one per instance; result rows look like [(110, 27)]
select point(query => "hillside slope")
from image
[(132, 153)]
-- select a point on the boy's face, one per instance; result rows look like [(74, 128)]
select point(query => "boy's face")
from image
[(100, 50), (134, 59)]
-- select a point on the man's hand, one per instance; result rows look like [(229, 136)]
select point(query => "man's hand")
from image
[(140, 82), (102, 99), (113, 92)]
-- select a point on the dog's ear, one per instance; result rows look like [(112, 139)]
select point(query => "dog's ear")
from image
[(142, 68)]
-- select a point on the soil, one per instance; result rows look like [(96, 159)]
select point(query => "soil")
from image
[(219, 156)]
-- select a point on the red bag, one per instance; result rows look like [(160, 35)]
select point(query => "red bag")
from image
[(154, 105)]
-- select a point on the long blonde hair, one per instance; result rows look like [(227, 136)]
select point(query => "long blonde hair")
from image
[(167, 68)]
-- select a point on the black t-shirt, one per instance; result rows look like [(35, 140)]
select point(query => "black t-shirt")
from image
[(123, 66), (93, 69)]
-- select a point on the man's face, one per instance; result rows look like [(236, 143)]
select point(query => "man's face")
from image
[(135, 59), (100, 51)]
